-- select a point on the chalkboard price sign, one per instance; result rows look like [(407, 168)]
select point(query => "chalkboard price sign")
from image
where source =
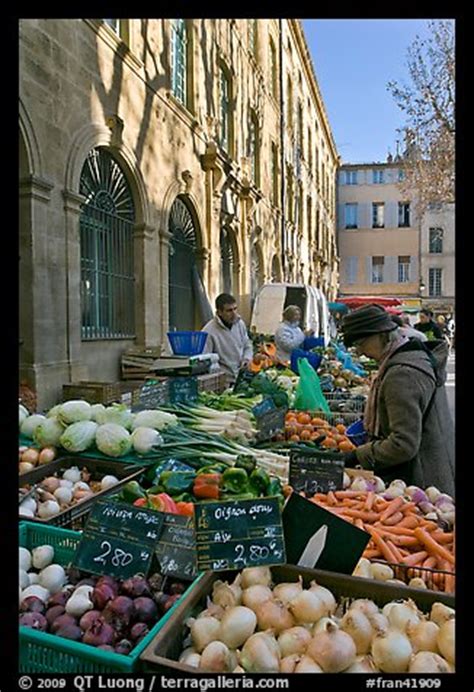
[(238, 534), (316, 472), (270, 423), (151, 395), (118, 539), (183, 389), (176, 548)]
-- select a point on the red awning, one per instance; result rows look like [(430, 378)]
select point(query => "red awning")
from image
[(358, 301)]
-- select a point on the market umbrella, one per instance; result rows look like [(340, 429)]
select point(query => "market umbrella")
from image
[(358, 301), (337, 307)]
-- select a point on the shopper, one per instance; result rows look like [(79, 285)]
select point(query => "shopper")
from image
[(428, 326), (228, 337), (406, 329), (289, 334), (407, 418)]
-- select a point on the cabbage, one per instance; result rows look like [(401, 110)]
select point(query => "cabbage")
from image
[(74, 411), (53, 412), (30, 424), (47, 434), (79, 436), (96, 409), (144, 439), (118, 414), (113, 440), (24, 413), (159, 420)]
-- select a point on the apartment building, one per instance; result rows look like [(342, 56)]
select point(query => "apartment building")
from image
[(162, 161), (438, 258)]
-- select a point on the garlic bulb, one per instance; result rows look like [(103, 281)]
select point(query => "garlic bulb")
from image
[(260, 654), (253, 595), (237, 625), (325, 595), (285, 592)]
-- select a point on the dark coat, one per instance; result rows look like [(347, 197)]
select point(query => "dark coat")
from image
[(413, 445)]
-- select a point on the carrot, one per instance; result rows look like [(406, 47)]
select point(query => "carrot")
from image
[(398, 530), (380, 503), (393, 519), (370, 553), (428, 525), (415, 559), (319, 496), (393, 506), (331, 498), (369, 501), (430, 562), (408, 507), (381, 544), (394, 549), (442, 537), (341, 494), (410, 522), (449, 583), (359, 514), (432, 546), (401, 541), (359, 523)]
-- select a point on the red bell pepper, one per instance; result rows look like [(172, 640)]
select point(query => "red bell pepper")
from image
[(141, 502), (185, 508), (163, 503), (206, 486)]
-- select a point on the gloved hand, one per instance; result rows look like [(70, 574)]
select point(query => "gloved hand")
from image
[(350, 460)]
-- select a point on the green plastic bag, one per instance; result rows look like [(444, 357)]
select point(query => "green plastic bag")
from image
[(309, 395)]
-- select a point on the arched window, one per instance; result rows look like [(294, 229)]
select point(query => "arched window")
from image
[(182, 267), (178, 59), (273, 69), (228, 261), (225, 138), (106, 239), (254, 148)]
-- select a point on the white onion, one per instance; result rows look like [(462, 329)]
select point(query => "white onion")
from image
[(24, 579), (294, 640), (432, 493), (225, 594), (253, 595), (325, 595), (48, 509), (285, 592), (358, 626), (346, 481), (192, 659), (237, 625), (186, 652), (34, 578), (72, 474), (378, 621), (256, 575), (362, 664), (381, 571), (423, 636), (428, 662), (53, 578), (63, 495), (440, 613), (204, 631), (26, 512), (362, 569), (445, 639), (391, 651), (217, 658), (403, 614), (25, 467), (64, 483), (320, 625), (25, 558), (108, 482), (308, 607), (417, 583), (308, 665), (36, 590), (367, 606), (260, 654), (289, 663), (333, 649), (273, 615), (42, 556)]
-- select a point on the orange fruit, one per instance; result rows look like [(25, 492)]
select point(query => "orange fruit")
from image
[(290, 417), (291, 429), (346, 446), (314, 436), (341, 428), (305, 435), (319, 421), (304, 418), (295, 438), (329, 442)]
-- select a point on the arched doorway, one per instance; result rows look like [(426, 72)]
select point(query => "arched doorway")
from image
[(107, 258), (228, 261), (182, 266), (276, 269)]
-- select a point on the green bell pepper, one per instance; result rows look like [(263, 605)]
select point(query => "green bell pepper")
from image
[(247, 462), (217, 467), (235, 480), (274, 487), (259, 481), (177, 481), (184, 497), (237, 496), (131, 491)]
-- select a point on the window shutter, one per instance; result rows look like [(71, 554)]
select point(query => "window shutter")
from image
[(414, 269), (391, 270), (391, 214), (368, 269), (341, 220)]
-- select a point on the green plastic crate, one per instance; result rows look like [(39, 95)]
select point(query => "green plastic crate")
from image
[(46, 653)]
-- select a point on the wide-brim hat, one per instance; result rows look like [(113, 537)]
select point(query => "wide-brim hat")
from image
[(366, 321)]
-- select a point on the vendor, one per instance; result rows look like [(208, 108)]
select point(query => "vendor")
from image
[(407, 417), (289, 334)]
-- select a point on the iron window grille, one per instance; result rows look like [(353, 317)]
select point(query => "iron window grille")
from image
[(403, 214), (435, 278), (403, 269), (106, 241), (178, 59), (225, 110), (436, 241)]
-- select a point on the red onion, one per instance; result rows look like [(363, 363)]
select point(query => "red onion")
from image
[(145, 609), (32, 604), (73, 574), (70, 632), (102, 594), (119, 613), (88, 581), (124, 647), (161, 599), (58, 599), (135, 587), (61, 621), (88, 619), (172, 600), (138, 631), (99, 633), (36, 621), (53, 613), (110, 581)]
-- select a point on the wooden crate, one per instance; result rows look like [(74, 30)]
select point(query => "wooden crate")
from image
[(163, 651), (137, 363), (93, 392), (212, 382)]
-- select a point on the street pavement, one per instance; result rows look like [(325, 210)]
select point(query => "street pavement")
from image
[(451, 383)]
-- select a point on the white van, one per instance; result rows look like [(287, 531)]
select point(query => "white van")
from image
[(272, 299)]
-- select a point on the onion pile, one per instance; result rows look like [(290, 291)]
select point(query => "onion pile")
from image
[(114, 615), (30, 457), (254, 626)]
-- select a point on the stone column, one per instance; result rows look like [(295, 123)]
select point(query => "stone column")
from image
[(148, 269), (164, 249)]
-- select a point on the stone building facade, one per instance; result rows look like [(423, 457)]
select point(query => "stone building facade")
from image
[(161, 162), (438, 258)]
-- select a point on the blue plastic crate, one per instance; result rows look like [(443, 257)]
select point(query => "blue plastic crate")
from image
[(356, 433), (187, 343)]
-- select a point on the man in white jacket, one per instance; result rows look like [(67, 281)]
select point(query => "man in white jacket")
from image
[(228, 337)]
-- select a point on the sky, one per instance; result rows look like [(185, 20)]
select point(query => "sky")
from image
[(353, 60)]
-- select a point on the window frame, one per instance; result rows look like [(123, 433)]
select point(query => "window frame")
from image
[(433, 281), (351, 177), (378, 177), (353, 206), (254, 147), (179, 30), (404, 210), (432, 241), (375, 207), (380, 279), (404, 269), (273, 68), (225, 111)]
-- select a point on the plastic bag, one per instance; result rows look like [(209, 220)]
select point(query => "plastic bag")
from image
[(309, 395), (312, 342), (345, 358), (297, 354)]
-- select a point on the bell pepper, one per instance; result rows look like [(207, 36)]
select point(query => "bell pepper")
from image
[(235, 480), (163, 503), (177, 481), (259, 481), (132, 491), (185, 508), (274, 488), (141, 502), (207, 485), (183, 497), (247, 462), (238, 496), (217, 467)]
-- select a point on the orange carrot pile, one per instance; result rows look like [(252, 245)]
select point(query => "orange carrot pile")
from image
[(399, 534)]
